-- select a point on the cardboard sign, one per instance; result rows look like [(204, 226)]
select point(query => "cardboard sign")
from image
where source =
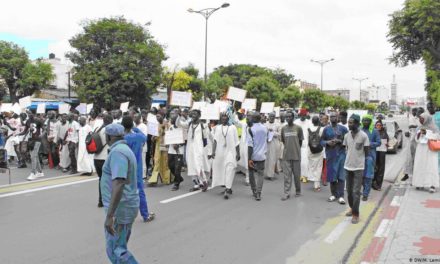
[(221, 105), (198, 105), (41, 108), (174, 137), (267, 107), (181, 98), (236, 94), (16, 109), (277, 111), (82, 108), (249, 104), (25, 102), (64, 108), (210, 112), (89, 108), (151, 118), (6, 107), (124, 107), (153, 128)]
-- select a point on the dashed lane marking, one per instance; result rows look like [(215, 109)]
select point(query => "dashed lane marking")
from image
[(337, 232), (181, 196)]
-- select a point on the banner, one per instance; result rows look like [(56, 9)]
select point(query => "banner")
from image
[(267, 107), (89, 108), (16, 109), (249, 104), (221, 105), (6, 107), (153, 128), (82, 108), (174, 137), (124, 107), (41, 108), (210, 112), (25, 102), (198, 105), (181, 99), (151, 118), (236, 94), (64, 108)]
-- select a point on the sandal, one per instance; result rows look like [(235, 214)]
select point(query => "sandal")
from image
[(150, 217), (317, 189)]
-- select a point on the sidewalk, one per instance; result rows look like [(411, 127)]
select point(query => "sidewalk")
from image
[(408, 230)]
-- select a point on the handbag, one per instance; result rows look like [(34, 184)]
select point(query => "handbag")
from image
[(434, 145)]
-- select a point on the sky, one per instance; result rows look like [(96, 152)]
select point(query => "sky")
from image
[(277, 33)]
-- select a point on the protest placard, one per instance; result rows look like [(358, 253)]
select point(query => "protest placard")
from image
[(82, 108), (41, 108), (25, 102), (267, 107), (16, 108), (173, 137), (277, 110), (89, 108), (181, 98), (124, 107), (249, 104), (221, 105), (198, 105), (153, 128), (151, 118), (236, 94), (210, 112), (6, 107), (64, 108)]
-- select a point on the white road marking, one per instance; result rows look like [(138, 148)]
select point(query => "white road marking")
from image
[(397, 200), (337, 232), (181, 196), (384, 228), (46, 188)]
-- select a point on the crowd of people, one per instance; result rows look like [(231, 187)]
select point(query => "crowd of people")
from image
[(346, 152)]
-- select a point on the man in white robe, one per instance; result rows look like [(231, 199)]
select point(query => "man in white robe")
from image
[(225, 152), (273, 147), (85, 160), (242, 163), (64, 149), (304, 123)]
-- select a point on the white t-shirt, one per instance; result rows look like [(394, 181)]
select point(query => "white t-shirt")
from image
[(72, 132)]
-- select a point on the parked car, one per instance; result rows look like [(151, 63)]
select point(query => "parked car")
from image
[(395, 134)]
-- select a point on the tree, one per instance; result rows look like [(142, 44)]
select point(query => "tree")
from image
[(241, 73), (383, 107), (284, 78), (340, 103), (290, 96), (217, 86), (357, 105), (313, 100), (35, 76), (196, 85), (371, 107), (116, 61), (264, 88)]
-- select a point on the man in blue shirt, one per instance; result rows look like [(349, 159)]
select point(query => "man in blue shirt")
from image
[(119, 195), (257, 148)]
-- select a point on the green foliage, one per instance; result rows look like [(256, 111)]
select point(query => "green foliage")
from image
[(217, 86), (340, 103), (264, 88), (358, 105), (116, 61), (433, 86), (196, 85), (370, 107), (35, 76), (314, 100), (284, 78), (289, 96), (240, 74)]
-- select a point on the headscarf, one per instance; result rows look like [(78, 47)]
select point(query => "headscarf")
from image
[(428, 123), (371, 127), (356, 117)]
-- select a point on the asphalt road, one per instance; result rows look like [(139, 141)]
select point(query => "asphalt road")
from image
[(63, 225)]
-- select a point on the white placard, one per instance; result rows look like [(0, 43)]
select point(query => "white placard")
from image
[(198, 105), (153, 128), (210, 112), (221, 105), (383, 145), (124, 107), (89, 108), (41, 108), (267, 107), (25, 102), (16, 109), (236, 94), (181, 98), (155, 105), (6, 107), (249, 104), (277, 110), (82, 108), (174, 137), (64, 108), (151, 118)]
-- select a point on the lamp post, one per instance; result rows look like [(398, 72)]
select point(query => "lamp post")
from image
[(206, 13), (322, 62), (68, 84), (360, 80)]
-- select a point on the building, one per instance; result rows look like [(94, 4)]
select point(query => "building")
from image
[(393, 99), (378, 93), (303, 85), (61, 70), (344, 93)]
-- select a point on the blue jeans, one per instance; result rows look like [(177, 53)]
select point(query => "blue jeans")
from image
[(366, 186), (116, 246), (143, 206)]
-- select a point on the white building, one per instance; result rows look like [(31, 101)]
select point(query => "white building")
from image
[(378, 93), (393, 91), (60, 69)]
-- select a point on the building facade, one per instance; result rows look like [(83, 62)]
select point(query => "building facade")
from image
[(344, 93)]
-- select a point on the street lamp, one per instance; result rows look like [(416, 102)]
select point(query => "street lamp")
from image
[(206, 13), (322, 62), (360, 80)]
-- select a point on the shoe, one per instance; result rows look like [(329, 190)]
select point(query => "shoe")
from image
[(258, 197), (73, 172), (32, 177), (349, 213), (297, 194), (65, 170), (254, 193), (152, 184), (86, 174), (355, 219), (324, 183), (341, 200), (432, 190), (268, 178), (419, 188), (150, 217), (406, 177), (285, 197), (364, 198), (317, 189), (22, 166), (39, 175), (175, 187), (331, 199), (226, 195), (100, 205)]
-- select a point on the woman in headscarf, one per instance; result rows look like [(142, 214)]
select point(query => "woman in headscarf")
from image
[(425, 160), (381, 153)]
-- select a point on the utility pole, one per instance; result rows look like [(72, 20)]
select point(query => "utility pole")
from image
[(322, 62)]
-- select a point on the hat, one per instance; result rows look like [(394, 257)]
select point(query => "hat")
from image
[(303, 112), (114, 130), (356, 117)]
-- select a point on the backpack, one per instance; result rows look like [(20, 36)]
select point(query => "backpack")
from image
[(94, 143), (315, 141)]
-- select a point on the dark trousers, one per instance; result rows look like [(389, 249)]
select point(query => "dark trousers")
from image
[(354, 184), (98, 166), (292, 169), (149, 154), (337, 188), (53, 150), (380, 169), (258, 172), (72, 155), (175, 162)]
